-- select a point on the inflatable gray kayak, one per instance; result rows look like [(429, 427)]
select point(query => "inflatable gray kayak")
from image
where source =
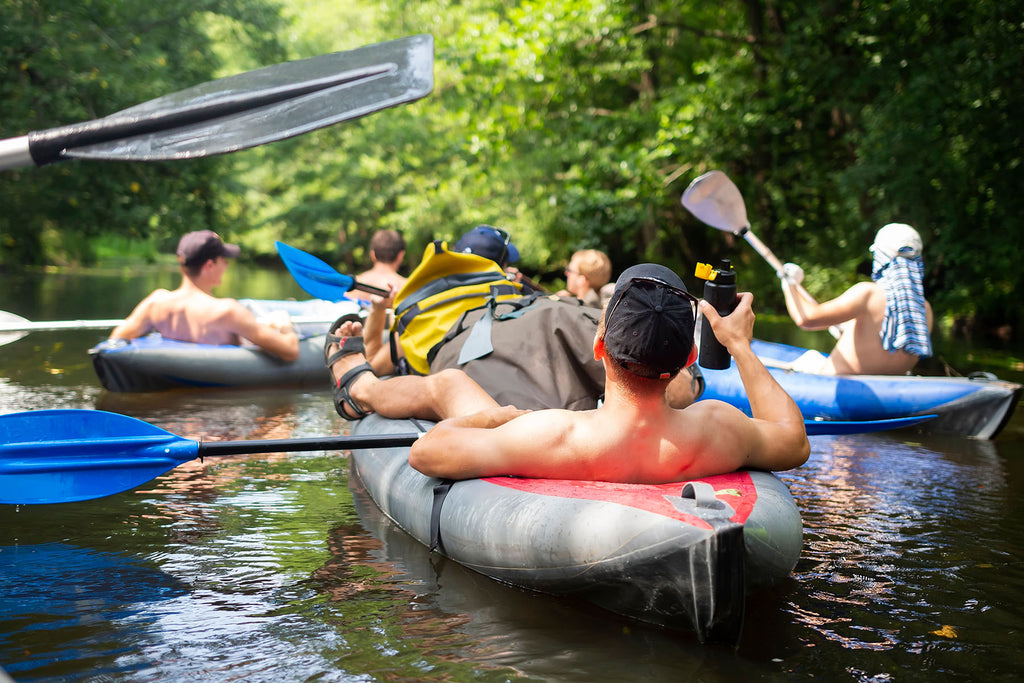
[(152, 363), (681, 555)]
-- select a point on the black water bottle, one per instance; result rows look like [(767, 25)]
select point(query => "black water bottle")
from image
[(720, 292)]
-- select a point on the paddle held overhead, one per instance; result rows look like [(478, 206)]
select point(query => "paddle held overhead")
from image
[(715, 200), (62, 456), (244, 110)]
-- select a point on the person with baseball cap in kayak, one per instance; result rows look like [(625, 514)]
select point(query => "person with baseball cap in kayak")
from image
[(192, 313), (644, 338), (885, 324)]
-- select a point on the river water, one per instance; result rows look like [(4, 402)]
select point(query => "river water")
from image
[(277, 567)]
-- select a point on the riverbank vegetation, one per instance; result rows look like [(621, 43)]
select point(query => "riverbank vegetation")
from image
[(571, 124)]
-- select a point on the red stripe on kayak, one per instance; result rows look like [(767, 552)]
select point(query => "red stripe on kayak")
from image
[(736, 488)]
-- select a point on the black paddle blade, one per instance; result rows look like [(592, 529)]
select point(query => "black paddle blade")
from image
[(253, 108)]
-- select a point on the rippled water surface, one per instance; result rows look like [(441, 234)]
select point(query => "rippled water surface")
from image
[(277, 567)]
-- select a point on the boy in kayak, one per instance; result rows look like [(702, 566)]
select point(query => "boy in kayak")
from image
[(192, 313), (644, 339), (885, 323)]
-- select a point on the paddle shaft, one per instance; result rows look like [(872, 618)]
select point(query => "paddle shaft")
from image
[(321, 443), (53, 325), (766, 253)]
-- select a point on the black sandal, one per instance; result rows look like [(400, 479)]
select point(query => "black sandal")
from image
[(344, 404), (335, 339)]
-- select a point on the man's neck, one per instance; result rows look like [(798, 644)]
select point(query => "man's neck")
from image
[(619, 397), (191, 285)]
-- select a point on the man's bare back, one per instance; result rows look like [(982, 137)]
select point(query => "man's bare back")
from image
[(192, 313), (192, 316)]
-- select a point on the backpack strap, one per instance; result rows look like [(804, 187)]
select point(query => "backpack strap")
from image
[(478, 343)]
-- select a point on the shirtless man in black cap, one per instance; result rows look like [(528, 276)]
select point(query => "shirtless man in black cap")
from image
[(192, 313), (645, 338)]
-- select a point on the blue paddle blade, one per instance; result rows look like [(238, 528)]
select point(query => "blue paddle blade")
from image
[(315, 277), (862, 426), (62, 456)]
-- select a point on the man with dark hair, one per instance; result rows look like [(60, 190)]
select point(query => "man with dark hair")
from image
[(192, 313), (644, 339), (387, 250)]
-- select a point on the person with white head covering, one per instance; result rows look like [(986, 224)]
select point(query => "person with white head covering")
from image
[(886, 323)]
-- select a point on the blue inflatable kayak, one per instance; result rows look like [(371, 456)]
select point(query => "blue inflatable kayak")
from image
[(152, 363), (681, 555), (977, 407)]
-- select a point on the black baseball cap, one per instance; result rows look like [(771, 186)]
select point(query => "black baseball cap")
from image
[(649, 321)]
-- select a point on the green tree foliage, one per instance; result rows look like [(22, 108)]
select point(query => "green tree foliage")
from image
[(572, 124), (64, 61)]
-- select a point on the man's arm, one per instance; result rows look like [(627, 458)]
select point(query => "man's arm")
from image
[(138, 322), (377, 352), (810, 315), (775, 439), (278, 338), (468, 446)]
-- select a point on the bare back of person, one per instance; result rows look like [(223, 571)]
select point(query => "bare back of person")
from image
[(382, 276), (615, 443), (193, 316), (859, 349)]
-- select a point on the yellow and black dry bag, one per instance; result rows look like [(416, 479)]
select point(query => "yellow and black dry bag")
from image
[(444, 286)]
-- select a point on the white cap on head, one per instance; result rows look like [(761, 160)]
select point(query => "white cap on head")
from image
[(897, 239)]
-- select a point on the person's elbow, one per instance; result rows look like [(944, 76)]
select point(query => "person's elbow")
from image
[(794, 451), (291, 352)]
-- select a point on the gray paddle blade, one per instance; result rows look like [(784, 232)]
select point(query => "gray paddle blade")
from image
[(716, 200), (261, 106)]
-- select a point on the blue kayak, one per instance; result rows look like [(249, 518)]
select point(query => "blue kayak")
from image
[(976, 406), (152, 363)]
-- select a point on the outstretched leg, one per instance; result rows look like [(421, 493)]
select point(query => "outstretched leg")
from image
[(449, 393)]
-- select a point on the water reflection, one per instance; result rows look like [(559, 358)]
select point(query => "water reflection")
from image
[(93, 602), (893, 529)]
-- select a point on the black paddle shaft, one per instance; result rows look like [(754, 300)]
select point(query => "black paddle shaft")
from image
[(319, 443)]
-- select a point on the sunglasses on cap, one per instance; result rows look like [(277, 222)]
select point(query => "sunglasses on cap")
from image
[(651, 283)]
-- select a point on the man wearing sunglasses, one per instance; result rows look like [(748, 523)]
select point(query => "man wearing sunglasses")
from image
[(643, 340)]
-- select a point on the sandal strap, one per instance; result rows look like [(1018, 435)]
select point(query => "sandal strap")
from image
[(342, 396), (348, 347)]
